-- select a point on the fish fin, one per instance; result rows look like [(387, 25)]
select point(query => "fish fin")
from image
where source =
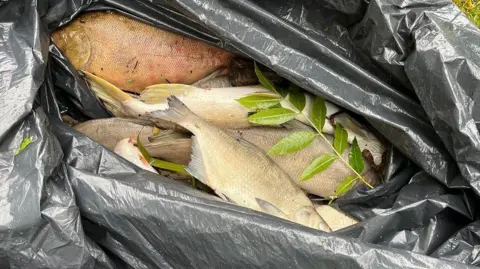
[(115, 109), (176, 111), (112, 96), (213, 75), (158, 94), (270, 209), (166, 135), (224, 197), (196, 167)]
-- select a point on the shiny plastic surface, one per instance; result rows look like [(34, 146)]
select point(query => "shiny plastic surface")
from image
[(410, 68)]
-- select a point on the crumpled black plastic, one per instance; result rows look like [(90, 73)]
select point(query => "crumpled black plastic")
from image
[(410, 68)]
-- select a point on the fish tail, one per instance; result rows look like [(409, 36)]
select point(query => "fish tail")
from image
[(112, 96), (176, 112)]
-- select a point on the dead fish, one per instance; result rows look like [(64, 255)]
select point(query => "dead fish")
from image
[(323, 184), (130, 152), (133, 55), (109, 131), (219, 106), (216, 105), (335, 218), (240, 172), (221, 162), (367, 141), (242, 73), (214, 80)]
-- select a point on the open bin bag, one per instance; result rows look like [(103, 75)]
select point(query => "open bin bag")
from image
[(409, 68)]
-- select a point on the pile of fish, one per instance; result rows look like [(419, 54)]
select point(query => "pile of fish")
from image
[(179, 97)]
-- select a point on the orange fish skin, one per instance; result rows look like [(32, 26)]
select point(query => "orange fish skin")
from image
[(133, 55)]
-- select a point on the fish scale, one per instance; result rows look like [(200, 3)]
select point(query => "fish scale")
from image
[(239, 170), (133, 55)]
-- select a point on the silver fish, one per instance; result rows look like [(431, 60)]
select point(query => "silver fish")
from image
[(236, 170), (219, 106), (239, 171), (108, 132), (323, 184)]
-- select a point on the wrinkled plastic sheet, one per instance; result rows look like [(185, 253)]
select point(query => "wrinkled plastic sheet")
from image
[(410, 68)]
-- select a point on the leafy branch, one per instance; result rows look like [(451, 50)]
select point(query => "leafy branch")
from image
[(292, 103)]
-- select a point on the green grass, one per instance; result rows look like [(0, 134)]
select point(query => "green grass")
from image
[(471, 8)]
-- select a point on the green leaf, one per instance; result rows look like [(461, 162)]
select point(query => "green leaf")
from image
[(319, 113), (356, 158), (273, 116), (345, 186), (264, 80), (297, 98), (25, 142), (169, 166), (144, 152), (159, 163), (340, 141), (259, 100), (292, 143), (283, 91), (318, 165)]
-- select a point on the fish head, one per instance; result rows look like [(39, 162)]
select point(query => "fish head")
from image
[(127, 149), (74, 42), (308, 216)]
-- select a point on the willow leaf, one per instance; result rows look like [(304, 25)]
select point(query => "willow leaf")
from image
[(356, 158), (340, 141), (345, 186), (297, 98), (264, 80), (272, 116), (292, 143), (259, 100), (318, 165), (319, 113)]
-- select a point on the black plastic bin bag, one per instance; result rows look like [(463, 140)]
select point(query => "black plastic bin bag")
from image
[(409, 68)]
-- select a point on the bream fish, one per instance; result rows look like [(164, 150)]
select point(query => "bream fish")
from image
[(240, 172), (109, 131), (219, 106), (133, 55), (235, 169), (323, 184)]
